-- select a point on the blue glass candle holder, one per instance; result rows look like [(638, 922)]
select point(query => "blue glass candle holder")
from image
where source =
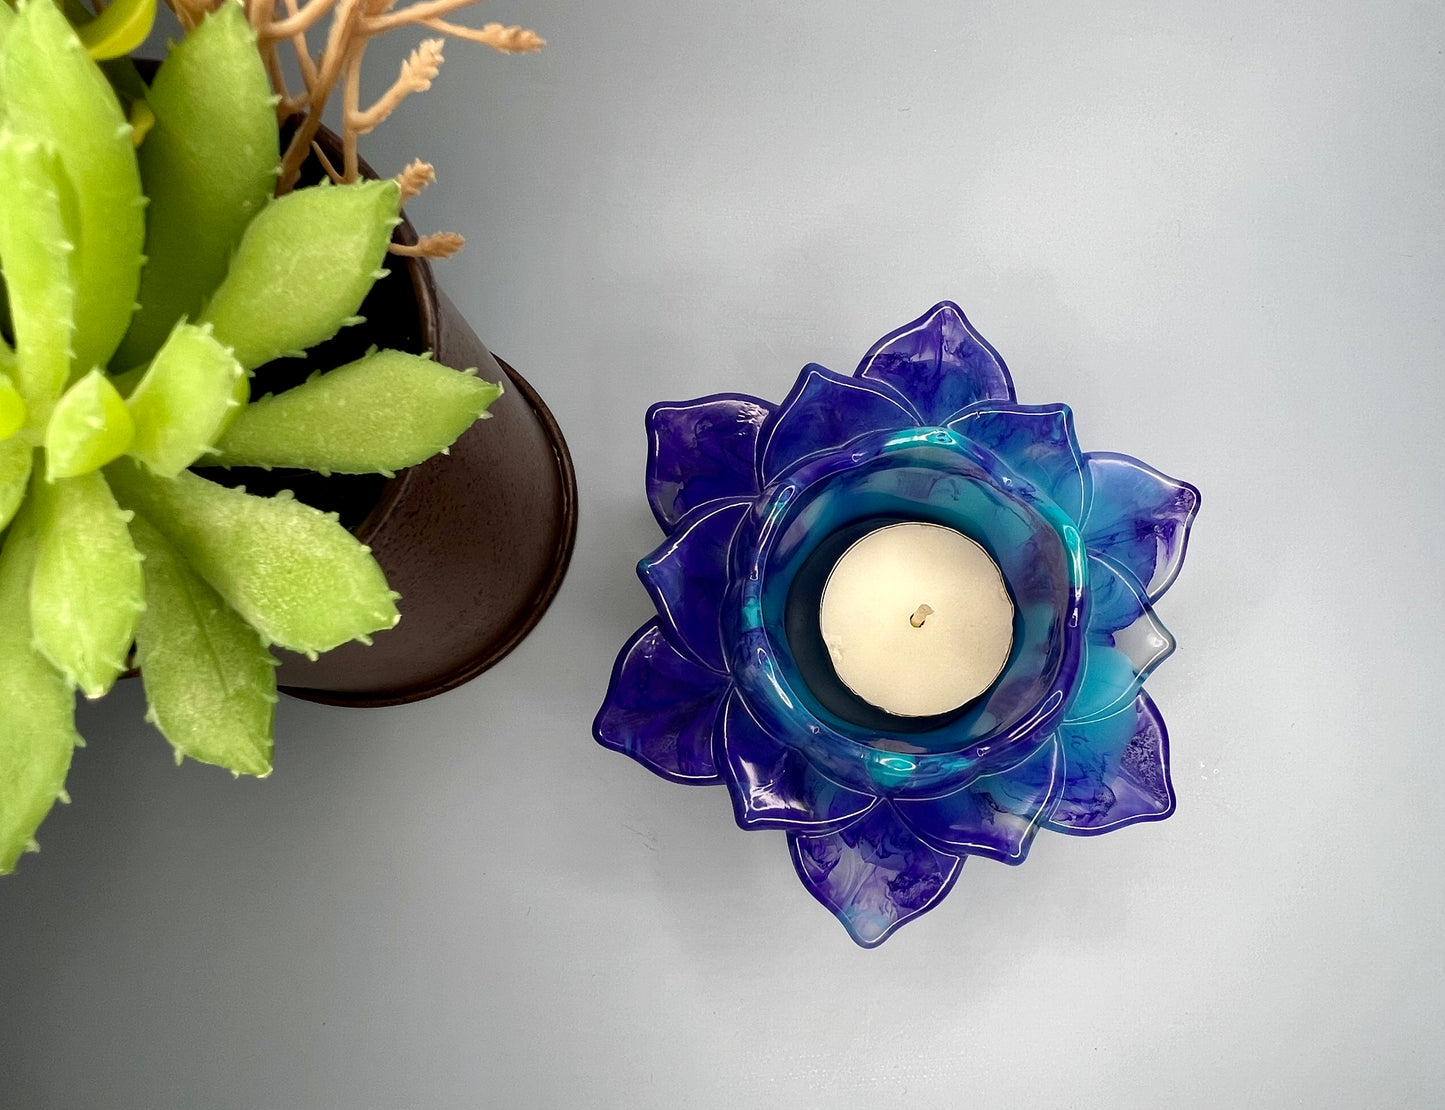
[(731, 684)]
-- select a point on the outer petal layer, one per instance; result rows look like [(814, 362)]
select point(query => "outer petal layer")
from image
[(826, 410), (1139, 518), (775, 787), (1123, 644), (939, 363), (875, 875), (701, 450), (688, 575), (661, 709), (995, 816), (1116, 771), (1037, 442)]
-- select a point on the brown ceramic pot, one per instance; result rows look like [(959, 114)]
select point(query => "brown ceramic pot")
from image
[(476, 541)]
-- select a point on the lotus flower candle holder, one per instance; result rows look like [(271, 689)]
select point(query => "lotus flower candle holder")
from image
[(736, 683)]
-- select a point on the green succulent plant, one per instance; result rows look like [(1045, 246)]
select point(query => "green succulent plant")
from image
[(143, 283)]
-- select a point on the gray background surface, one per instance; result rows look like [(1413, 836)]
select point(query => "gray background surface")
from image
[(1215, 230)]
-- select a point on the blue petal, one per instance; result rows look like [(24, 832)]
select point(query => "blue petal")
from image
[(772, 785), (939, 363), (1116, 771), (823, 411), (875, 874), (1139, 519), (688, 575), (1037, 442), (995, 816), (699, 451), (661, 709), (1123, 643)]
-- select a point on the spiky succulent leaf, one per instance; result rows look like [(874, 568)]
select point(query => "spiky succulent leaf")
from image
[(56, 94), (295, 575), (7, 20), (303, 268), (183, 401), (380, 413), (16, 459), (37, 724), (12, 405), (209, 164), (118, 29), (89, 427), (35, 253), (209, 679), (87, 590)]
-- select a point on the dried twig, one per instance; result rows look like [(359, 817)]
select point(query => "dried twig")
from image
[(417, 73), (439, 244), (331, 171), (304, 61), (353, 23), (416, 177), (297, 22), (504, 40)]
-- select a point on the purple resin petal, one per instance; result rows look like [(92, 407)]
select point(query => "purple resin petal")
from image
[(688, 575), (661, 708), (1123, 644), (826, 410), (995, 816), (773, 786), (1037, 442), (699, 451), (1116, 771), (939, 363), (875, 875), (1139, 519)]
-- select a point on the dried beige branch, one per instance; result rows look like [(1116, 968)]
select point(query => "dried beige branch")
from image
[(331, 171), (297, 21), (439, 244), (417, 74), (329, 69), (504, 40), (415, 177), (260, 13), (304, 60), (414, 13), (350, 102), (353, 23)]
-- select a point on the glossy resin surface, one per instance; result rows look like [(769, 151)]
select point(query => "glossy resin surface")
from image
[(725, 686)]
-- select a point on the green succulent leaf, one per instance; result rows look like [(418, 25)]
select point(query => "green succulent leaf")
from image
[(292, 572), (87, 590), (383, 412), (35, 252), (54, 93), (209, 679), (193, 387), (37, 727), (16, 459), (118, 29), (12, 407), (303, 268), (89, 427), (209, 164)]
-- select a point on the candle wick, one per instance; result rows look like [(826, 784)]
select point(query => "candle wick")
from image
[(921, 614)]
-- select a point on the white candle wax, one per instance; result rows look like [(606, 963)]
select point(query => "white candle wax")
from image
[(916, 619)]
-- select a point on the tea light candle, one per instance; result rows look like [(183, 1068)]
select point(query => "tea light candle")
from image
[(916, 619)]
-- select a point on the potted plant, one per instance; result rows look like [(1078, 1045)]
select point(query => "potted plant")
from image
[(161, 253)]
